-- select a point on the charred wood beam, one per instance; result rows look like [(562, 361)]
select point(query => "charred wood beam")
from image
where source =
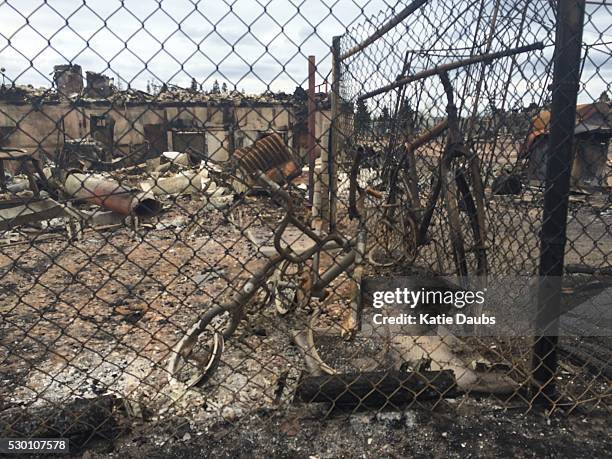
[(376, 389), (586, 269), (81, 417)]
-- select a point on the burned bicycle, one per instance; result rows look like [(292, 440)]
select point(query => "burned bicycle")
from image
[(403, 216), (291, 278), (285, 274)]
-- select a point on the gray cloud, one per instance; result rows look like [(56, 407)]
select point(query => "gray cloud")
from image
[(176, 40), (173, 40)]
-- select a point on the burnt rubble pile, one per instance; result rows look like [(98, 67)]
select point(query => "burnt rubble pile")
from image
[(68, 86), (75, 199), (28, 94)]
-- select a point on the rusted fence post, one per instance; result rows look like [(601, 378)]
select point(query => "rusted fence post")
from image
[(566, 77)]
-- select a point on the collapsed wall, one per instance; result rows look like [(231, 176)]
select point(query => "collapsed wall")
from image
[(211, 126), (68, 79)]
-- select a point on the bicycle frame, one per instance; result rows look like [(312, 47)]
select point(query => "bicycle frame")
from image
[(354, 250), (451, 184)]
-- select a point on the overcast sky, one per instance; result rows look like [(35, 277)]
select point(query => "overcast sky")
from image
[(250, 44), (247, 43)]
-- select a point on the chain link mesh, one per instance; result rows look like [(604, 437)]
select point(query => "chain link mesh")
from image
[(193, 237)]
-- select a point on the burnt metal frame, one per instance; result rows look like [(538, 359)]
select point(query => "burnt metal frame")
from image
[(446, 183), (353, 255), (453, 185)]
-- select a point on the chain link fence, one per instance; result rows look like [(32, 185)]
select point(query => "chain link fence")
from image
[(178, 250), (491, 69)]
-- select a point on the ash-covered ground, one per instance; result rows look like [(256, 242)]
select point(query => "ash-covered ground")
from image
[(457, 428), (99, 315)]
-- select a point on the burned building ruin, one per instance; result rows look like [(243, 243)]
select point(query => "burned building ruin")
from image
[(132, 125)]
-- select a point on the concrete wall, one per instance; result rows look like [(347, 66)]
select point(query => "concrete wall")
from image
[(43, 127)]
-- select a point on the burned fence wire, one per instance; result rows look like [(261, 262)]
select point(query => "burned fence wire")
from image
[(486, 226)]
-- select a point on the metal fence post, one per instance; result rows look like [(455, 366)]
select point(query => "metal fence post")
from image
[(335, 131), (566, 77)]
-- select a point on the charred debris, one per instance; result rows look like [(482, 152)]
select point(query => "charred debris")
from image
[(124, 155)]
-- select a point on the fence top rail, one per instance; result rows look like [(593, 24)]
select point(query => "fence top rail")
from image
[(394, 21), (452, 66)]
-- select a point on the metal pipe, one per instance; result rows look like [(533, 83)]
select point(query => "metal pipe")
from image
[(452, 66), (394, 21), (409, 157), (566, 78), (312, 110), (111, 195), (339, 266)]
